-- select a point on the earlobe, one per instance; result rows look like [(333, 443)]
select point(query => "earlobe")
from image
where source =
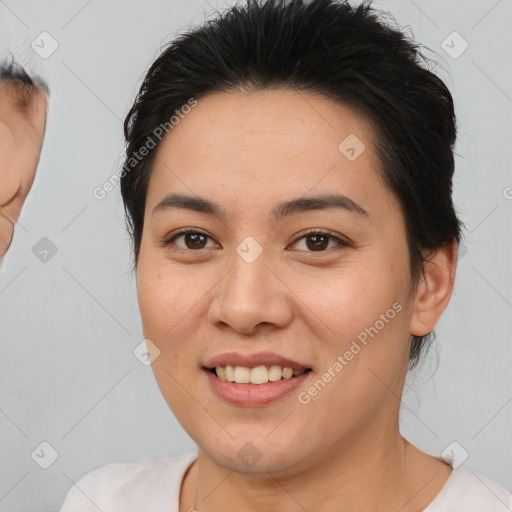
[(434, 289)]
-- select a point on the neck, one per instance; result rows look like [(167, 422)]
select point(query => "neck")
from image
[(377, 471)]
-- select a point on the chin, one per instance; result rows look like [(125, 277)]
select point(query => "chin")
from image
[(250, 454)]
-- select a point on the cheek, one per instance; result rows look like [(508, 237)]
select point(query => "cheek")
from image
[(359, 316), (363, 361), (165, 302), (172, 305), (346, 300), (166, 297)]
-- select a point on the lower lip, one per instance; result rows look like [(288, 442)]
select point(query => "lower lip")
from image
[(250, 395)]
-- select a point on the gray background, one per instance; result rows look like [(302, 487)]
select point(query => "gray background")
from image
[(68, 326)]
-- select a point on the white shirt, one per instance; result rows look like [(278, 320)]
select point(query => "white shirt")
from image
[(153, 485)]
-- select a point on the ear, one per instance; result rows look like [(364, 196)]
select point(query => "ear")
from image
[(434, 289)]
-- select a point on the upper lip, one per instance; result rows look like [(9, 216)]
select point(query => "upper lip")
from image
[(253, 360)]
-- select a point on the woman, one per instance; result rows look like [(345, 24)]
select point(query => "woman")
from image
[(287, 186)]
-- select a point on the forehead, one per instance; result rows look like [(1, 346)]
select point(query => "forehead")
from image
[(257, 148)]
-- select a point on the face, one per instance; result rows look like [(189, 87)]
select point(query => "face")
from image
[(323, 284)]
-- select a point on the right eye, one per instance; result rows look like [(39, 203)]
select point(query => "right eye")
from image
[(194, 240)]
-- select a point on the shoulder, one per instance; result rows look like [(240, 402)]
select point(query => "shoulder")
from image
[(130, 486), (484, 491), (469, 491)]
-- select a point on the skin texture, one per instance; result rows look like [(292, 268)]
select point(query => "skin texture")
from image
[(23, 111), (342, 450)]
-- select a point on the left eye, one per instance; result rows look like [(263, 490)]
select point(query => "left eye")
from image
[(316, 241)]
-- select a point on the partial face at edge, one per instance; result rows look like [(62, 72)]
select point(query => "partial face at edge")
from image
[(307, 298)]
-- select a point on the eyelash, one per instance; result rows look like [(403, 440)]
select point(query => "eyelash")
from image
[(339, 241)]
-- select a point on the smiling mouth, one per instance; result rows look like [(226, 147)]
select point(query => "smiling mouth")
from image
[(257, 375)]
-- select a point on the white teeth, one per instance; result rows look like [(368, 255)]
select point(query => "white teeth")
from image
[(275, 373), (229, 372), (242, 375), (287, 373), (258, 375)]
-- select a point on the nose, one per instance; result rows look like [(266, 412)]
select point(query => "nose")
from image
[(252, 296)]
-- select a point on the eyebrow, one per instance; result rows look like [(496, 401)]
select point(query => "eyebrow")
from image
[(281, 210)]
